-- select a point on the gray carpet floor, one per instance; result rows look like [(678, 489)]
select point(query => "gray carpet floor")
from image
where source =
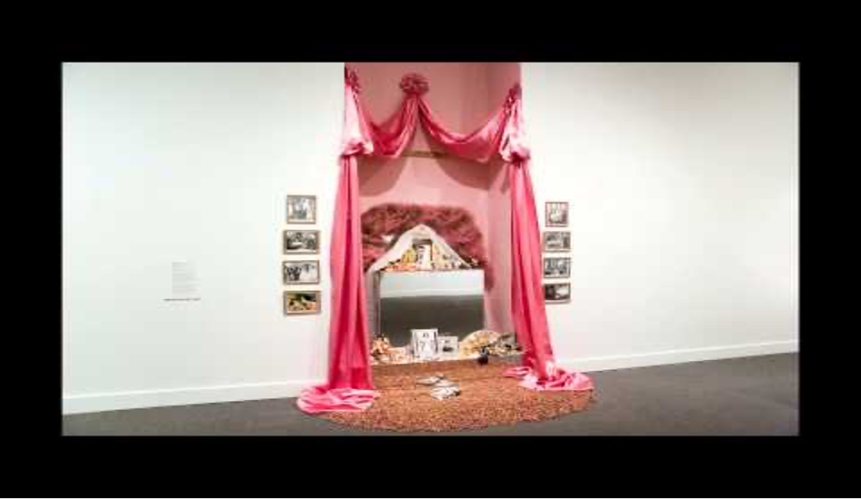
[(742, 396)]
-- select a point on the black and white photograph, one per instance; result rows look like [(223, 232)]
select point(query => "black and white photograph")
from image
[(424, 344), (448, 347), (302, 302), (557, 267), (301, 272), (301, 209), (557, 293), (556, 214), (557, 241), (298, 241)]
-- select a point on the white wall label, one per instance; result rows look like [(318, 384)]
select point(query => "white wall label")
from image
[(184, 285)]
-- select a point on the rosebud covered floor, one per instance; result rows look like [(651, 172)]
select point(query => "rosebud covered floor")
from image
[(487, 398)]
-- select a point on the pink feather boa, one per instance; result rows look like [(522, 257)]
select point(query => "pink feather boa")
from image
[(455, 225)]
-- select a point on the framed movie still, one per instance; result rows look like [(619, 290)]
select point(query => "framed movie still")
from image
[(302, 302), (556, 214), (301, 241), (301, 209), (557, 241), (557, 267), (557, 293), (301, 272), (448, 347), (424, 344)]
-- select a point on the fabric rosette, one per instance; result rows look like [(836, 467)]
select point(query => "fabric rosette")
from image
[(414, 84)]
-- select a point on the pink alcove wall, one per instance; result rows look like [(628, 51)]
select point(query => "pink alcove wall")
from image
[(463, 96)]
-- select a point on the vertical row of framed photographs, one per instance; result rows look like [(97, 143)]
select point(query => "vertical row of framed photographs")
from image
[(554, 241), (301, 209)]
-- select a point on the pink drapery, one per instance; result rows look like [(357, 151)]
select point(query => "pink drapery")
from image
[(349, 384)]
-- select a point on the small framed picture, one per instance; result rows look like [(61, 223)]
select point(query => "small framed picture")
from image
[(301, 241), (557, 241), (301, 272), (302, 302), (557, 267), (447, 347), (557, 293), (301, 209), (424, 344), (556, 214)]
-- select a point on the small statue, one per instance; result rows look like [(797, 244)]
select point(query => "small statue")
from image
[(483, 358)]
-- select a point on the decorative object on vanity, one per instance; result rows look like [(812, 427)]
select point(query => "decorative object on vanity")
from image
[(432, 380), (301, 241), (483, 356), (557, 293), (454, 230), (445, 392), (301, 272), (556, 214), (302, 302), (424, 344), (557, 241), (381, 350), (557, 267), (448, 347), (471, 346), (301, 209)]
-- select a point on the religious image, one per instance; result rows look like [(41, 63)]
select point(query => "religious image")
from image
[(556, 214), (557, 241), (304, 302), (301, 241), (301, 272), (557, 293), (557, 267), (301, 209)]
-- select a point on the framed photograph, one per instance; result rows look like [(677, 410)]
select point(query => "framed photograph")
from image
[(301, 272), (556, 214), (557, 293), (448, 347), (301, 209), (557, 241), (301, 241), (424, 344), (302, 302), (557, 267)]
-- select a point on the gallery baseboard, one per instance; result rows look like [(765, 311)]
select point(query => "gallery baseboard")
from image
[(87, 403), (678, 356)]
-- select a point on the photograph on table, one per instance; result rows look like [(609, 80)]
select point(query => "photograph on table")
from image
[(556, 214), (557, 267), (302, 302), (424, 344), (301, 272), (557, 241), (557, 293), (447, 346), (301, 209), (301, 241)]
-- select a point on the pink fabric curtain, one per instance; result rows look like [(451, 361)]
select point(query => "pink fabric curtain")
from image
[(349, 385)]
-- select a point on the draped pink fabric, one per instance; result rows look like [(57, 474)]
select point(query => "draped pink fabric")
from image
[(349, 385)]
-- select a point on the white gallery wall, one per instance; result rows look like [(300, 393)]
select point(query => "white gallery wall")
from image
[(191, 162), (682, 180), (683, 184)]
